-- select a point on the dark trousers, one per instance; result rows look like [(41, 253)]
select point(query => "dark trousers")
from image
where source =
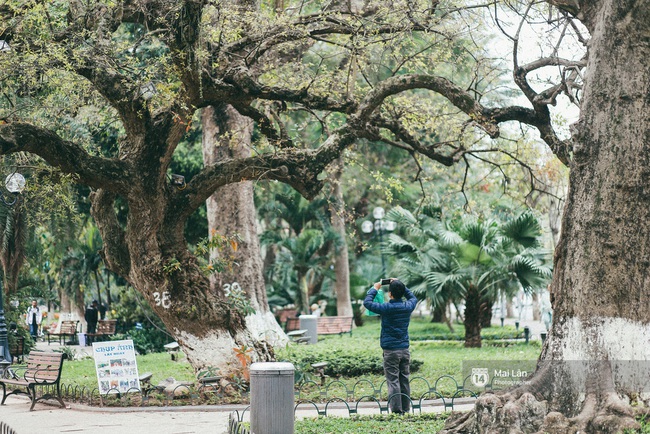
[(397, 369), (33, 329)]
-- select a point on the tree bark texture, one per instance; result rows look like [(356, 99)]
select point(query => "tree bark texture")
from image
[(12, 249), (472, 317), (486, 314), (600, 284), (231, 210)]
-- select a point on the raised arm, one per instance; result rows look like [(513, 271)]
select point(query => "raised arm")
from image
[(411, 300), (368, 302)]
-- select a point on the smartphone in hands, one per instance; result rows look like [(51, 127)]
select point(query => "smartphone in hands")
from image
[(385, 281)]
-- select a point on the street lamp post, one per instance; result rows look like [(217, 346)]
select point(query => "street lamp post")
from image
[(379, 226), (15, 184)]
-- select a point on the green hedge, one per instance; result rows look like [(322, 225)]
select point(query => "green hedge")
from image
[(347, 359)]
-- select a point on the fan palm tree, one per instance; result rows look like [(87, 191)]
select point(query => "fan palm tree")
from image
[(300, 237), (303, 261), (80, 266), (473, 261)]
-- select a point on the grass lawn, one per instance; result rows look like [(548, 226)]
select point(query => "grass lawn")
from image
[(346, 356), (82, 372), (438, 357), (410, 424)]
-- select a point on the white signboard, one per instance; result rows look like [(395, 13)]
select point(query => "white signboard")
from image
[(117, 370)]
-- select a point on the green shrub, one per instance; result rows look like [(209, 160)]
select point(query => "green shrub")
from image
[(345, 359), (146, 340)]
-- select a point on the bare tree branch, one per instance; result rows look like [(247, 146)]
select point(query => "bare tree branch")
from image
[(71, 158)]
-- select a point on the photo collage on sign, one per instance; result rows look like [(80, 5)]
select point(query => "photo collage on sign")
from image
[(117, 370)]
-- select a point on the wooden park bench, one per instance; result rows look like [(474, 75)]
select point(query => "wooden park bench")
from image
[(42, 370), (293, 323), (105, 329), (67, 328), (283, 314), (331, 325)]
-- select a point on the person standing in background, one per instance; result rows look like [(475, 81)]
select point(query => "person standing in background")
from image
[(315, 309), (91, 316), (33, 319), (394, 340)]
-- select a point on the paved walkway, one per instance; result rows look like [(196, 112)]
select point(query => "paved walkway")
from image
[(47, 419), (50, 419)]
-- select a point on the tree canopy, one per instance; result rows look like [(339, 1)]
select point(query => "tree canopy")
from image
[(410, 75)]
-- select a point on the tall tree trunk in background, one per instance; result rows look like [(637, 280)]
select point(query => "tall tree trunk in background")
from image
[(472, 317), (231, 210), (13, 236), (78, 309), (99, 290), (66, 303), (438, 313), (486, 314), (341, 257), (441, 315), (600, 283), (537, 314), (510, 312), (109, 299)]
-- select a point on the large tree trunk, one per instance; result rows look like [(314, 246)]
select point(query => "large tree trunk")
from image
[(341, 258), (227, 134), (600, 283), (206, 324), (151, 253)]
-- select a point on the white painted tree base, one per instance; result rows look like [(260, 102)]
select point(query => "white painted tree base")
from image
[(217, 349)]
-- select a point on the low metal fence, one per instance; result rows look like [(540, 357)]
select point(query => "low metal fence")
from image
[(365, 397), (182, 394), (236, 424), (6, 429), (444, 390)]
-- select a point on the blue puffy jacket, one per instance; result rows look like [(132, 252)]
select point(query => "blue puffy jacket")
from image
[(395, 318)]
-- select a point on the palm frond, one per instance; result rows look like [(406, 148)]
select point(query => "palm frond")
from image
[(524, 229)]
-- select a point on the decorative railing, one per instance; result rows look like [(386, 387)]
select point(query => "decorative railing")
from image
[(236, 423), (182, 394), (444, 391), (338, 397), (6, 429)]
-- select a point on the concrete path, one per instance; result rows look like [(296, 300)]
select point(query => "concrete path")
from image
[(50, 419), (47, 419)]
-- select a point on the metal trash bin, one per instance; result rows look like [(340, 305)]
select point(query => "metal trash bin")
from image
[(272, 398), (310, 323)]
